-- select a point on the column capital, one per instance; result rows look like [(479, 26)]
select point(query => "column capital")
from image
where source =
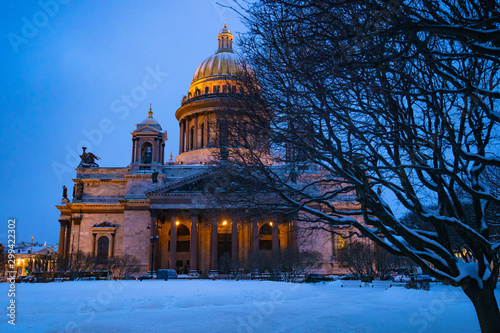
[(63, 221)]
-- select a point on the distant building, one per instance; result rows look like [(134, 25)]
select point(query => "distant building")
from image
[(158, 212), (39, 258)]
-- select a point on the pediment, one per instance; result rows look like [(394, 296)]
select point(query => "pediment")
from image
[(104, 224), (192, 183), (207, 181), (146, 129)]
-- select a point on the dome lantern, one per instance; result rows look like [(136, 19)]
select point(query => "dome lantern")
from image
[(225, 40)]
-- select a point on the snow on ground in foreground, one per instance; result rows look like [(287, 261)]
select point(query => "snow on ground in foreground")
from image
[(236, 306)]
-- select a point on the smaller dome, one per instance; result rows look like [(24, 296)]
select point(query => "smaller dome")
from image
[(150, 121)]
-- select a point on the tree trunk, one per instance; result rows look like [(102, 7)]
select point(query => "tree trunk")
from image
[(486, 306)]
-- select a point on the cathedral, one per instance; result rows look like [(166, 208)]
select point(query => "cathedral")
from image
[(155, 208)]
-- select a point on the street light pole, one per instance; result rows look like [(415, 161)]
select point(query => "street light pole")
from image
[(31, 254)]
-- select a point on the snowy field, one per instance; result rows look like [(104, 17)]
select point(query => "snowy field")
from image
[(236, 306)]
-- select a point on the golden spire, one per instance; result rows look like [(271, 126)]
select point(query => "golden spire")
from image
[(150, 113)]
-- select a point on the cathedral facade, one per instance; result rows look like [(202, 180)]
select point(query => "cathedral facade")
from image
[(155, 209)]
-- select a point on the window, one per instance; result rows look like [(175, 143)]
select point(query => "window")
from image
[(183, 246), (146, 153), (266, 238), (182, 230), (265, 244), (191, 138), (341, 242), (206, 90), (202, 135), (266, 229), (103, 247)]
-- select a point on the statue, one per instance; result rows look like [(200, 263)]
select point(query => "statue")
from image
[(88, 159), (79, 191), (154, 176), (65, 192)]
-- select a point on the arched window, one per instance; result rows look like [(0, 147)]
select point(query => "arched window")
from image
[(146, 153), (191, 138), (266, 229), (103, 247), (183, 239), (182, 230), (202, 135), (265, 237), (197, 92)]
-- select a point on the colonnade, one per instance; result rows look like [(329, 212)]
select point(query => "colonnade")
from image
[(194, 124), (209, 236)]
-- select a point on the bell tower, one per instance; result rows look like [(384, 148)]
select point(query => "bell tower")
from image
[(148, 145)]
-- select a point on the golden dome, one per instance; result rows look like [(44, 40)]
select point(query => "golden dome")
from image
[(223, 62)]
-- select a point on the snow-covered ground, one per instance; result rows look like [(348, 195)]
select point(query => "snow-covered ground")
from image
[(235, 306)]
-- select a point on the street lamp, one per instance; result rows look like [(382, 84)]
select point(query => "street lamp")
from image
[(31, 253), (154, 237)]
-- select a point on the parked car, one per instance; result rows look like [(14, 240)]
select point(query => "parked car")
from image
[(401, 278), (146, 277), (386, 277), (166, 274), (43, 279), (312, 278), (332, 278), (423, 278), (29, 278), (130, 277), (194, 274), (367, 278), (348, 277), (213, 274)]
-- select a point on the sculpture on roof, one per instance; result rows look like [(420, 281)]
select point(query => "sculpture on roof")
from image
[(78, 191), (88, 159)]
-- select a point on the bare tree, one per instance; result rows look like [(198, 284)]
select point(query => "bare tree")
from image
[(381, 98), (293, 263), (359, 257)]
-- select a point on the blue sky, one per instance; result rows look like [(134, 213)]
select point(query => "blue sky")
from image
[(67, 68)]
